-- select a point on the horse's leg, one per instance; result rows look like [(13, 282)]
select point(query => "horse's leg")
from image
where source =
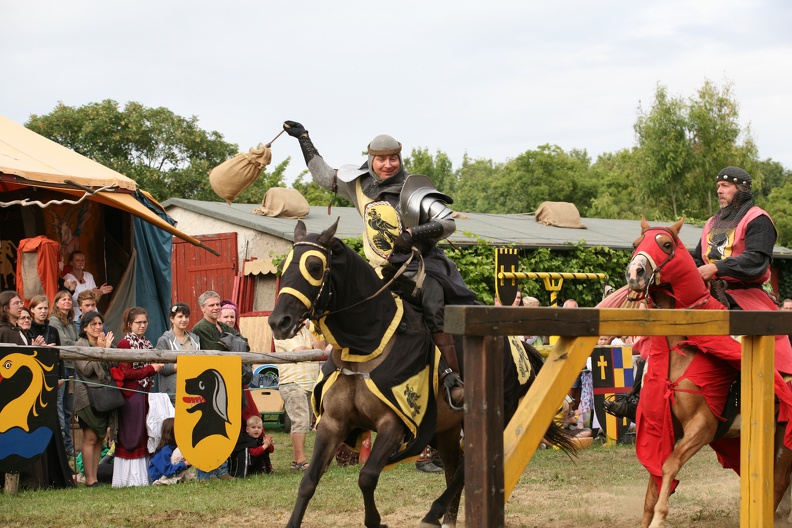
[(781, 466), (698, 431), (390, 432), (328, 435), (448, 503), (649, 503)]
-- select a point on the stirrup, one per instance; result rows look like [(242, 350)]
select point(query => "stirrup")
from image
[(451, 379), (623, 405)]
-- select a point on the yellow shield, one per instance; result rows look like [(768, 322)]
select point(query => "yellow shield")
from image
[(383, 226), (208, 408)]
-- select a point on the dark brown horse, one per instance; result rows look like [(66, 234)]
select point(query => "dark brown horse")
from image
[(683, 376), (326, 281)]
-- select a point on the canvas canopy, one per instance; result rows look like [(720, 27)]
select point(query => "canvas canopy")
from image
[(69, 191), (29, 159)]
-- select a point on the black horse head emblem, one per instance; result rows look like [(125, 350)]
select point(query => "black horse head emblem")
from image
[(208, 395)]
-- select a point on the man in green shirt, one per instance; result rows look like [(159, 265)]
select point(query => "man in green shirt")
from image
[(209, 329)]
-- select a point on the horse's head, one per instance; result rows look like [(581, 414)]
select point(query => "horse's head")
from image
[(655, 248), (304, 289)]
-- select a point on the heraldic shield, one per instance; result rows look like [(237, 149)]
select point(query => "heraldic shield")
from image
[(208, 408), (28, 405), (611, 373)]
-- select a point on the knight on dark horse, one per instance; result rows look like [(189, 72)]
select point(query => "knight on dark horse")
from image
[(401, 211)]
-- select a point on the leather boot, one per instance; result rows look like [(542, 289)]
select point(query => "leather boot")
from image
[(455, 388), (626, 405)]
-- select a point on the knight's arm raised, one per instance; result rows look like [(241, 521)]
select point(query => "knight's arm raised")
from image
[(322, 173)]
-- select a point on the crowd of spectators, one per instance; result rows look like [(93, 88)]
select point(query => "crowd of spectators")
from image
[(120, 439)]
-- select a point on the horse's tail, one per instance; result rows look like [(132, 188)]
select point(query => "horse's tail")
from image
[(534, 358), (560, 438)]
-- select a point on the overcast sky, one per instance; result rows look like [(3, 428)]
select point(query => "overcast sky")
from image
[(492, 79)]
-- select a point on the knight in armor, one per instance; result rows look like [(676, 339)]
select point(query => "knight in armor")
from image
[(736, 249), (400, 211)]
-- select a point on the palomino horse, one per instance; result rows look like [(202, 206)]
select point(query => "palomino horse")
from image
[(684, 389), (373, 332)]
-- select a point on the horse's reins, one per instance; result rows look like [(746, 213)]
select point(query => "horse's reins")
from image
[(311, 312)]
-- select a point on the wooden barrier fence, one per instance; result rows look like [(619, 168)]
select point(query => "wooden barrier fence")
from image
[(496, 457)]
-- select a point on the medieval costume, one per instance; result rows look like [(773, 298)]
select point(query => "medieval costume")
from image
[(400, 211), (739, 241), (130, 467)]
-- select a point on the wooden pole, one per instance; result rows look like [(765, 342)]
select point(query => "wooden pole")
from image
[(114, 355), (11, 483), (756, 442), (484, 498)]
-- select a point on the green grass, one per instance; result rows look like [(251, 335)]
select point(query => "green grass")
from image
[(604, 487)]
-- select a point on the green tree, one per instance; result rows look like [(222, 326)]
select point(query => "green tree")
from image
[(779, 205), (683, 144), (471, 178), (438, 167), (666, 152), (714, 132), (315, 194), (774, 175), (167, 155), (545, 174), (615, 195)]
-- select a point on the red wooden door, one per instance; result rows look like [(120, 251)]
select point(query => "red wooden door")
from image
[(196, 270)]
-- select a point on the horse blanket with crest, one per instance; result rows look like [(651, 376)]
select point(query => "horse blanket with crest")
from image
[(654, 426), (406, 381)]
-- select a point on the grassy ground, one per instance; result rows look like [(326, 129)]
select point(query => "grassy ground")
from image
[(604, 487)]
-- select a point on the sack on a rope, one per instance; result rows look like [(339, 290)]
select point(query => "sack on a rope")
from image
[(235, 175)]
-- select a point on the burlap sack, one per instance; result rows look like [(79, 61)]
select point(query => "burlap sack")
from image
[(233, 176), (559, 214), (283, 203)]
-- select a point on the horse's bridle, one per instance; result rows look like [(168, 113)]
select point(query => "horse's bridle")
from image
[(646, 295), (655, 271), (312, 311)]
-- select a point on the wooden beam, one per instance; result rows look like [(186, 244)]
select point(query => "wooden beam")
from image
[(484, 500), (756, 442), (539, 407), (114, 355), (519, 320)]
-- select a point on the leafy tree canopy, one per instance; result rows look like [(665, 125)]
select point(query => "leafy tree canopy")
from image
[(167, 155)]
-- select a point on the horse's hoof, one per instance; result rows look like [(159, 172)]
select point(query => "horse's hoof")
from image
[(428, 525)]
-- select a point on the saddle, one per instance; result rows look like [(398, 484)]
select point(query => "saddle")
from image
[(730, 410)]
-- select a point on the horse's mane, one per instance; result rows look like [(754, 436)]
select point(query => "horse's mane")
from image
[(353, 276)]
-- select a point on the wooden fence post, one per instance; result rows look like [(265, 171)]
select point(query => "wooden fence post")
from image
[(484, 499)]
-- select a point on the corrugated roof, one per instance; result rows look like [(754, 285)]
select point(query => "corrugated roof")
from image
[(520, 230)]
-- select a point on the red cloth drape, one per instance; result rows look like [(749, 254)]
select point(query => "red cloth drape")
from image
[(48, 255)]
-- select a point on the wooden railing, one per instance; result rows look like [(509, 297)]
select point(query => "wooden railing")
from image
[(496, 457)]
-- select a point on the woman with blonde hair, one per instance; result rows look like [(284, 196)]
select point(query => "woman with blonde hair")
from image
[(60, 320)]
